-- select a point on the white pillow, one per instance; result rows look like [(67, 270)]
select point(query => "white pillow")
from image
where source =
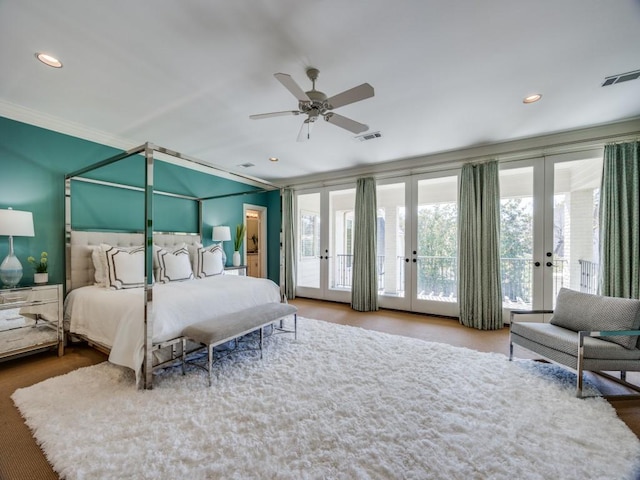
[(209, 261), (193, 250), (173, 266), (99, 264), (124, 266)]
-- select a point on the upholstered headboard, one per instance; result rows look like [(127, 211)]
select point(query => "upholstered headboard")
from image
[(82, 271)]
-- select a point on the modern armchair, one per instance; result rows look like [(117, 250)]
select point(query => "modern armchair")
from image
[(586, 333)]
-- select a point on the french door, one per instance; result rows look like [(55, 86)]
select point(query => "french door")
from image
[(548, 236), (324, 251), (417, 243), (549, 230)]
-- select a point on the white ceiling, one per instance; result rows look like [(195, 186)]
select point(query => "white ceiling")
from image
[(447, 74)]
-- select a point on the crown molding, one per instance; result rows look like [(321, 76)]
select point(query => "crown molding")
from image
[(570, 141), (59, 125)]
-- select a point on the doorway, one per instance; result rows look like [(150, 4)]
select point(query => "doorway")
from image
[(255, 245)]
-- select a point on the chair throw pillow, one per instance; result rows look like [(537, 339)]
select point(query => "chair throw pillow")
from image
[(583, 311)]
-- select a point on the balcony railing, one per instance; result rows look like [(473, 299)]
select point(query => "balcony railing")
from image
[(343, 274), (437, 277), (588, 276)]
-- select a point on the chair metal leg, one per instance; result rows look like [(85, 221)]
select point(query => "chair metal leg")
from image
[(261, 340), (580, 364), (184, 349), (295, 326), (210, 362)]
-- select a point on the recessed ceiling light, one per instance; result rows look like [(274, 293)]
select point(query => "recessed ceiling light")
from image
[(532, 98), (49, 60), (273, 159)]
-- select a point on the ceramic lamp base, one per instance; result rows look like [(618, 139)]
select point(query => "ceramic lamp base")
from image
[(10, 271)]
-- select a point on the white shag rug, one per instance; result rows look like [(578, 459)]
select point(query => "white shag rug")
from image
[(338, 403)]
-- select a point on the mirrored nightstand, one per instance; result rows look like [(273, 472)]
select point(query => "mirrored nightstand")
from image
[(240, 270), (31, 320)]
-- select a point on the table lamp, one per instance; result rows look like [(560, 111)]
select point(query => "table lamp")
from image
[(221, 234), (14, 223)]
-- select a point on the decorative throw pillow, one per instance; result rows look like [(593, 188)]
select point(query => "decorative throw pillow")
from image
[(583, 311), (209, 261), (173, 266), (193, 251), (99, 264), (124, 266)]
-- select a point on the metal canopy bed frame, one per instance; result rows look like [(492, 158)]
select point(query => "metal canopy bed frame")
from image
[(150, 154)]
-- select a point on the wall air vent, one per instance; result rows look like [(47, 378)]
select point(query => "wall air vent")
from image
[(247, 165), (622, 77), (368, 136)]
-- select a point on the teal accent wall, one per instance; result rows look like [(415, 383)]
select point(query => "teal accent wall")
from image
[(34, 161), (229, 211)]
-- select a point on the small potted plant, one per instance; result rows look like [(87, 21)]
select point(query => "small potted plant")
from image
[(41, 275), (237, 243)]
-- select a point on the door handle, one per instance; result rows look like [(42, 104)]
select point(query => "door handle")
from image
[(549, 264), (537, 264), (406, 260), (415, 261)]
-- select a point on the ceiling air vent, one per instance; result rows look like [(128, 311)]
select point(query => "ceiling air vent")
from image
[(247, 165), (368, 136), (622, 77)]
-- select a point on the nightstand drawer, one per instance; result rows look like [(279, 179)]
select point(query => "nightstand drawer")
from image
[(31, 320)]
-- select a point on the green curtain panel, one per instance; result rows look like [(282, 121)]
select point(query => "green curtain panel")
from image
[(479, 286), (289, 242), (364, 290), (619, 221)]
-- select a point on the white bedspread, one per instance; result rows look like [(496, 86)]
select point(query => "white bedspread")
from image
[(115, 318)]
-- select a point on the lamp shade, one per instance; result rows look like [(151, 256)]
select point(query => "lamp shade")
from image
[(221, 234), (16, 223)]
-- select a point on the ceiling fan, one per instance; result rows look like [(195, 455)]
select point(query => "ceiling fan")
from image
[(315, 104)]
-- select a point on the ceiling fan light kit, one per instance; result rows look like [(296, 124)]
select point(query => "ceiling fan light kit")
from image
[(315, 104)]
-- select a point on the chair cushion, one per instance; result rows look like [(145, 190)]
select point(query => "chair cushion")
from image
[(566, 341), (582, 311)]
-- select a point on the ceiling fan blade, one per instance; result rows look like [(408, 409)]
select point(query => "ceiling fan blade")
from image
[(352, 95), (305, 130), (291, 85), (346, 123), (258, 116)]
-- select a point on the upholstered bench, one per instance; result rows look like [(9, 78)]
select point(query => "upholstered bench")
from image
[(587, 332), (222, 329)]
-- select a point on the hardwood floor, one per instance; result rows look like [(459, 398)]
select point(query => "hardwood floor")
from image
[(21, 458)]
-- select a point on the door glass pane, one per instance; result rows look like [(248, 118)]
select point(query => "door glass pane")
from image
[(575, 225), (391, 231), (516, 236), (340, 249), (308, 268), (437, 245)]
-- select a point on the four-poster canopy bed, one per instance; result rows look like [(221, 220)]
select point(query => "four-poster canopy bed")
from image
[(139, 322)]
